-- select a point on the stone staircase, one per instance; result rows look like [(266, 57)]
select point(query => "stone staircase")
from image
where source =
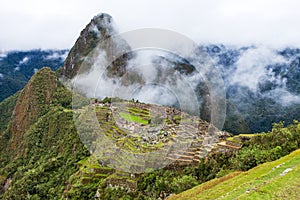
[(191, 155), (185, 157)]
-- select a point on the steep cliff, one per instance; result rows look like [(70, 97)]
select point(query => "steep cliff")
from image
[(98, 33)]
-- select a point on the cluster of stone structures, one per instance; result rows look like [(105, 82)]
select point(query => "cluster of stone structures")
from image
[(186, 138)]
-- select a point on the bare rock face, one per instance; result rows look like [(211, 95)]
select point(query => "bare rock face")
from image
[(98, 33)]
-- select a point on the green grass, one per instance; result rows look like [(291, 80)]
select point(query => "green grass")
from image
[(141, 111), (118, 130), (177, 117), (249, 134), (261, 182), (168, 121), (230, 139), (67, 110), (237, 137), (132, 118)]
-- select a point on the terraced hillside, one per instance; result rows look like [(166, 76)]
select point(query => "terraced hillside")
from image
[(121, 130), (273, 180)]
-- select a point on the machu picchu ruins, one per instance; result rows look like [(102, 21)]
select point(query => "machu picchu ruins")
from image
[(131, 130)]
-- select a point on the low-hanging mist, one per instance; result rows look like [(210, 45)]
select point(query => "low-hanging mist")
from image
[(255, 85), (257, 79), (261, 82), (264, 71), (150, 77)]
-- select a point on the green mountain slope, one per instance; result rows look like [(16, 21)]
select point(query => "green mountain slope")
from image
[(41, 145), (6, 109), (272, 180)]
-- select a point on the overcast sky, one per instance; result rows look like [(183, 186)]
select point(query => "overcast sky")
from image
[(57, 23)]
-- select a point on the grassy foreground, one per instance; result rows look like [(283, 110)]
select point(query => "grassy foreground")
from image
[(272, 180)]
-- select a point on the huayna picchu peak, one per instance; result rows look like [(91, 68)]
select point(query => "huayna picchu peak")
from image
[(97, 34)]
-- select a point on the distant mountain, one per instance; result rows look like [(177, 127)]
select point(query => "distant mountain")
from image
[(262, 83), (16, 67)]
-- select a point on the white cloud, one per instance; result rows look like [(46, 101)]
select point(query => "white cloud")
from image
[(167, 88), (57, 24), (1, 75), (57, 55), (25, 60), (2, 55), (284, 97), (252, 69), (251, 66), (94, 29)]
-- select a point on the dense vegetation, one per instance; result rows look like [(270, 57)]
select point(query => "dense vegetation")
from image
[(261, 148), (160, 183), (6, 110), (273, 180), (51, 146)]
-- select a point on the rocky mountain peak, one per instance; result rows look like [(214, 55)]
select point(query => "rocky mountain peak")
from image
[(101, 22), (98, 33)]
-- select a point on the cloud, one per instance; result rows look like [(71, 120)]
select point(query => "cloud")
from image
[(251, 66), (284, 97), (24, 60), (2, 55), (57, 55), (146, 79), (264, 72), (155, 94), (57, 24)]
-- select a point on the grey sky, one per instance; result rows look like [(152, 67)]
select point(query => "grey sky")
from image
[(57, 23)]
